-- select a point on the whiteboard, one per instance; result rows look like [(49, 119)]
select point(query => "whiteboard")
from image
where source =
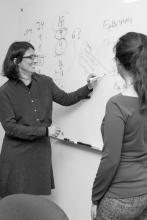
[(74, 38)]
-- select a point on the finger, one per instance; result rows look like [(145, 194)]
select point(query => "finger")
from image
[(90, 76), (93, 79), (91, 213), (58, 132), (92, 216)]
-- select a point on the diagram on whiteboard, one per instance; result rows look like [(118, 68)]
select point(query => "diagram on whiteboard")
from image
[(73, 40)]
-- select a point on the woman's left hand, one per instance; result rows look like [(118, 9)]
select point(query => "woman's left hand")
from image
[(93, 211), (91, 81), (54, 131)]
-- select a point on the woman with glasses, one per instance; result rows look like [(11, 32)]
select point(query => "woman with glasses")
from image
[(26, 116), (120, 187)]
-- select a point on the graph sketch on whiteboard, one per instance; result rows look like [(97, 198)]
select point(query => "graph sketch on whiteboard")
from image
[(92, 65)]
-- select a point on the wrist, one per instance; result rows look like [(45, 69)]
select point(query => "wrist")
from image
[(89, 88)]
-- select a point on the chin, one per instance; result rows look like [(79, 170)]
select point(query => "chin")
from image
[(31, 73), (32, 70)]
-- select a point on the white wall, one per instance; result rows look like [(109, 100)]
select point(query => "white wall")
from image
[(8, 33), (74, 171), (9, 11), (74, 167)]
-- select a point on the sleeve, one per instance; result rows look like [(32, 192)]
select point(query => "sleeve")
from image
[(113, 128), (10, 125), (66, 99)]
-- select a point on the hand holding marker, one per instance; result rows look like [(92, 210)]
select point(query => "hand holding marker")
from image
[(94, 78), (91, 80)]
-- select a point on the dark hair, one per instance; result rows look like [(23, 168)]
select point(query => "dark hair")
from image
[(14, 56), (131, 51)]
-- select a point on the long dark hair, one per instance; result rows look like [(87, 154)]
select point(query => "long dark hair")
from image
[(14, 56), (131, 51)]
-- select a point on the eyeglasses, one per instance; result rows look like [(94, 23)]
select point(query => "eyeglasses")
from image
[(31, 57)]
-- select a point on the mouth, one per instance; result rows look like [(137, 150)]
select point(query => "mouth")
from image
[(33, 64)]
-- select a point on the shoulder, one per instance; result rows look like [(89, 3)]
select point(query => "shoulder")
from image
[(123, 105), (126, 101), (117, 105), (4, 87), (43, 80), (42, 77), (116, 99)]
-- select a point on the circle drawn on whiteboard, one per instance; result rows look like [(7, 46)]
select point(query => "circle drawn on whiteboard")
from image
[(60, 47), (61, 33)]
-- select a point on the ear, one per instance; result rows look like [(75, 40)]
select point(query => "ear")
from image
[(15, 61), (119, 65), (117, 61)]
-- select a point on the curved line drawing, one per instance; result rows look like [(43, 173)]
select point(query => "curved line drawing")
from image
[(60, 47)]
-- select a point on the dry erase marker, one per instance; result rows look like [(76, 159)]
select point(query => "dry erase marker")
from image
[(70, 141), (101, 75), (86, 145), (92, 79)]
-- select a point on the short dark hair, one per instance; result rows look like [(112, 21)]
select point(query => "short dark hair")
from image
[(14, 56), (131, 51)]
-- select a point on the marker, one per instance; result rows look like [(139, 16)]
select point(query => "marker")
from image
[(86, 145), (66, 139), (92, 79), (77, 142), (70, 141), (80, 143)]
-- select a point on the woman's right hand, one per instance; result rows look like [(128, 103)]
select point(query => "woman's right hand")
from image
[(54, 131)]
